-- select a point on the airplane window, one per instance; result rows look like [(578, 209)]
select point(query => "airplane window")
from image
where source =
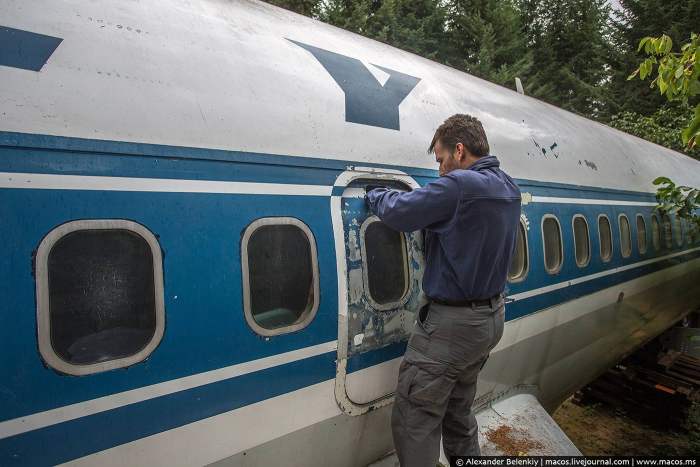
[(99, 297), (625, 236), (641, 234), (679, 230), (668, 232), (688, 227), (280, 275), (519, 263), (605, 234), (655, 233), (386, 265), (553, 252), (581, 241)]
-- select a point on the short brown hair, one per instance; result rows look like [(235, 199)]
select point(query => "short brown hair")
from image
[(465, 129)]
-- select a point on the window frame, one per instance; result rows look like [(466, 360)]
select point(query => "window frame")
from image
[(308, 315), (588, 238), (668, 242), (629, 234), (526, 270), (600, 240), (544, 247), (678, 227), (365, 273), (43, 312), (646, 239), (690, 239), (657, 244)]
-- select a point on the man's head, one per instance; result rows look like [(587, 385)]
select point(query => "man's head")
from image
[(458, 143)]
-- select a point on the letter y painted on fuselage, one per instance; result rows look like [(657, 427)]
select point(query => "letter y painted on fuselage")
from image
[(366, 101), (25, 49)]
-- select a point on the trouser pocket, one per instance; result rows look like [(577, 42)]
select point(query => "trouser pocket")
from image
[(424, 381), (430, 389), (425, 326)]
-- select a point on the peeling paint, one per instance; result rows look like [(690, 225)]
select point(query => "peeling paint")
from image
[(357, 340), (355, 287), (398, 323), (378, 328), (354, 245)]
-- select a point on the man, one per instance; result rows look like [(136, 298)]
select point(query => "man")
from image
[(470, 216)]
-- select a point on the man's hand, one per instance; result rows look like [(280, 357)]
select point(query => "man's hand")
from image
[(370, 192), (369, 188)]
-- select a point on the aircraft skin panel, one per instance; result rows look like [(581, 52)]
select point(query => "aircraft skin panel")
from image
[(523, 413), (248, 76), (344, 436), (198, 203)]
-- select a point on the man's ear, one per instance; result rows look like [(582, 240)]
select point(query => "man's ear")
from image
[(460, 150)]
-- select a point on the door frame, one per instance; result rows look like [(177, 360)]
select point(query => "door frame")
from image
[(342, 181)]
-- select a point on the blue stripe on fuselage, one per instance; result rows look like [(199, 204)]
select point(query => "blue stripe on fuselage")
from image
[(86, 435), (22, 152)]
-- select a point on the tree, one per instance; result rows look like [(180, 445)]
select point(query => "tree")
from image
[(304, 7), (568, 38), (636, 20), (347, 14), (416, 26), (487, 38)]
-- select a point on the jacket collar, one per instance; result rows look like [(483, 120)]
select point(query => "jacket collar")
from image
[(485, 162)]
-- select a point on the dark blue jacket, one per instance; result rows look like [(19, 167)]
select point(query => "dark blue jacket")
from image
[(470, 217)]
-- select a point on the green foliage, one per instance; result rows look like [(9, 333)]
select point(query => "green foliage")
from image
[(663, 127), (417, 26), (678, 75), (304, 7), (680, 200), (638, 19), (487, 38), (569, 49), (678, 79)]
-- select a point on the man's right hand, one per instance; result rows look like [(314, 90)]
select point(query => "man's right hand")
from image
[(372, 187)]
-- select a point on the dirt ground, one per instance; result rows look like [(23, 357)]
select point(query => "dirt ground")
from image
[(599, 429)]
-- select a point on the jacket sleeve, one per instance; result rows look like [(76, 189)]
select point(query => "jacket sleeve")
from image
[(407, 211)]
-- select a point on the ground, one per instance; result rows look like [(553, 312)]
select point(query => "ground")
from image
[(599, 429)]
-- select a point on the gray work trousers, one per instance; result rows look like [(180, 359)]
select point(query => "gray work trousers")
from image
[(437, 381)]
